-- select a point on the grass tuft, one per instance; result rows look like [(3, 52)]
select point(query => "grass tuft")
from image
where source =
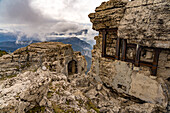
[(8, 77), (90, 105), (2, 53)]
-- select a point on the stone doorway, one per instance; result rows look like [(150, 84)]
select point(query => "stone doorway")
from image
[(72, 67)]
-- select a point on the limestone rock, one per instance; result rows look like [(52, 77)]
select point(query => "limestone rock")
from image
[(143, 22), (21, 93), (50, 91), (146, 22), (147, 89), (108, 14)]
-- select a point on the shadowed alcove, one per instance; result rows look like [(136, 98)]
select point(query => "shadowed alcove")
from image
[(72, 67)]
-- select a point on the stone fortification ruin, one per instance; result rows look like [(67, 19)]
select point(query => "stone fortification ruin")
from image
[(132, 51), (54, 56)]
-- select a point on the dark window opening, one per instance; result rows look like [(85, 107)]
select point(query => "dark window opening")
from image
[(72, 67), (129, 52)]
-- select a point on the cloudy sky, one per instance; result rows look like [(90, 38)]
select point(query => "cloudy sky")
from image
[(44, 16)]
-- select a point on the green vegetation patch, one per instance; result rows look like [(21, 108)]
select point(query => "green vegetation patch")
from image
[(2, 53), (7, 77), (80, 102), (57, 109), (37, 109), (49, 94), (90, 105)]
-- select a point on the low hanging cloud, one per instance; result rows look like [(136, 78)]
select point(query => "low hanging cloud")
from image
[(31, 19)]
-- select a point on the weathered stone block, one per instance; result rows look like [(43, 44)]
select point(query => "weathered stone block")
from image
[(146, 89)]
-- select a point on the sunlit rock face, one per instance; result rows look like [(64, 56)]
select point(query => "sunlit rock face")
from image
[(108, 14), (141, 22), (53, 56)]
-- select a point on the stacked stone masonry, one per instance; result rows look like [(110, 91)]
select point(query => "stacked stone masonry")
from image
[(49, 55), (140, 22)]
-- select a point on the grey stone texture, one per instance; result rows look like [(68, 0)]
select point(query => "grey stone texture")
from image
[(142, 22), (54, 55)]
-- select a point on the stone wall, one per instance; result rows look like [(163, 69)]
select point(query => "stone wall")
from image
[(54, 56), (124, 77), (146, 22)]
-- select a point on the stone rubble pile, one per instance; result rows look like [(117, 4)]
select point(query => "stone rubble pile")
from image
[(51, 92)]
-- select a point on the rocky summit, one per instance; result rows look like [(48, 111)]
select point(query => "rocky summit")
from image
[(130, 70)]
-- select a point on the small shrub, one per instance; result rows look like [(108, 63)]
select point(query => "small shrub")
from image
[(57, 109), (2, 53), (7, 77), (49, 94), (90, 105)]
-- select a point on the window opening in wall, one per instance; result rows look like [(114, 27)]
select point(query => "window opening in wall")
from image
[(132, 53), (72, 67)]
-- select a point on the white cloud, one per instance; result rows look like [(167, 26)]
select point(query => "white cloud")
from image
[(45, 16), (70, 10)]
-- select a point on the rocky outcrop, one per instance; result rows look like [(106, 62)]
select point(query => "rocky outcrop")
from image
[(54, 56), (140, 21), (23, 92), (45, 90), (43, 80), (146, 22), (134, 21), (51, 92), (108, 14)]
